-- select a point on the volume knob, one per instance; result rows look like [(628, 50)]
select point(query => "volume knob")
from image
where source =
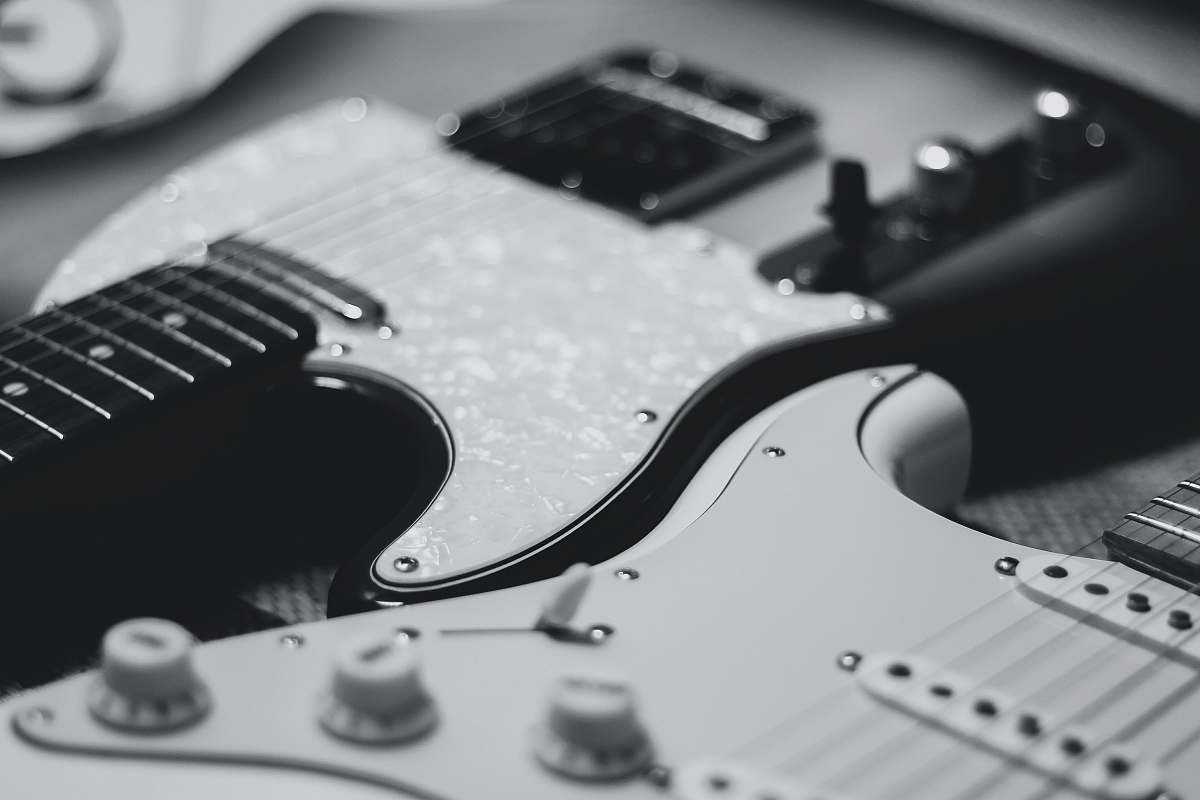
[(377, 695), (592, 730), (943, 177), (147, 681), (1059, 125)]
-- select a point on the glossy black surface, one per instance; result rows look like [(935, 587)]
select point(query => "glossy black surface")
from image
[(640, 132)]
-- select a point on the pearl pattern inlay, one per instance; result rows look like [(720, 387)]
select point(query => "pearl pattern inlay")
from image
[(541, 327)]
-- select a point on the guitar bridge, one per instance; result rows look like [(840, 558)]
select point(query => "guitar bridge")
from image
[(286, 274)]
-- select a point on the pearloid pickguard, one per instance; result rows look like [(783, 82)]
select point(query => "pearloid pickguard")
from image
[(536, 324)]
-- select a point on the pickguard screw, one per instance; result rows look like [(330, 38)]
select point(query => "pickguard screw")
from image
[(407, 635), (858, 311), (774, 452), (386, 332), (878, 381), (1006, 565), (406, 564), (291, 640), (645, 416), (337, 349), (659, 776), (627, 574), (849, 660)]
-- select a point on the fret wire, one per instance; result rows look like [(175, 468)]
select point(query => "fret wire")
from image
[(1174, 506), (123, 342), (30, 417), (1165, 527), (241, 305), (5, 455), (204, 316), (182, 338), (1195, 487), (56, 385), (80, 357)]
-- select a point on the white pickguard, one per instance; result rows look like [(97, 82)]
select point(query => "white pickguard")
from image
[(537, 325), (728, 637)]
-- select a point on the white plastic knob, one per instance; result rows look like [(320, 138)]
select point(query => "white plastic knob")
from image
[(147, 681), (592, 730), (377, 694)]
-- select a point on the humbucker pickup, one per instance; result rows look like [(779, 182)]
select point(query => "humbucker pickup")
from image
[(638, 131), (1163, 537)]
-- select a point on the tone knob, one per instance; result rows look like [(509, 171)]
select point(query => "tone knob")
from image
[(1060, 124), (147, 681), (592, 731), (377, 695), (943, 177)]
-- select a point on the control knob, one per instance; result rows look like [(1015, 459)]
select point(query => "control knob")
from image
[(147, 681), (943, 178), (592, 731), (377, 695)]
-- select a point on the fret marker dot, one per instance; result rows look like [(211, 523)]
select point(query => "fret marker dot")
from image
[(15, 389), (101, 352), (173, 319)]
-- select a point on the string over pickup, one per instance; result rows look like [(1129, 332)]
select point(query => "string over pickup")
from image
[(987, 718), (285, 272)]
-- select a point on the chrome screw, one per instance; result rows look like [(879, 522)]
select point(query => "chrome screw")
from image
[(1007, 565)]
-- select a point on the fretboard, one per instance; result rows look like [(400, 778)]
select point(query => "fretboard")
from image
[(161, 336), (1163, 537)]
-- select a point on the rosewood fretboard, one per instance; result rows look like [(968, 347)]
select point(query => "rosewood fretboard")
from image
[(158, 337)]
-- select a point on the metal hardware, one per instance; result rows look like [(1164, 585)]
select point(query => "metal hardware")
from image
[(627, 574), (646, 416), (1006, 565), (774, 452), (292, 641), (849, 660), (406, 564)]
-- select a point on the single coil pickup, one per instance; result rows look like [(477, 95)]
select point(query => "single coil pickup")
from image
[(989, 719), (284, 271), (1143, 611)]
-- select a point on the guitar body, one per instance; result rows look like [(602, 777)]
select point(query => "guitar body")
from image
[(730, 635), (541, 367)]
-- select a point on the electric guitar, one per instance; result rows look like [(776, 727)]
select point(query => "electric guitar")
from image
[(517, 331), (813, 633)]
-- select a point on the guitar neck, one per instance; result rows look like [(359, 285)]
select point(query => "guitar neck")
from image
[(166, 334), (1162, 538)]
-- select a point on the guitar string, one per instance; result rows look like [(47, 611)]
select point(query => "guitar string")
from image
[(628, 107), (1108, 646), (1016, 666), (930, 641), (895, 744), (353, 184), (1157, 659), (357, 204)]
